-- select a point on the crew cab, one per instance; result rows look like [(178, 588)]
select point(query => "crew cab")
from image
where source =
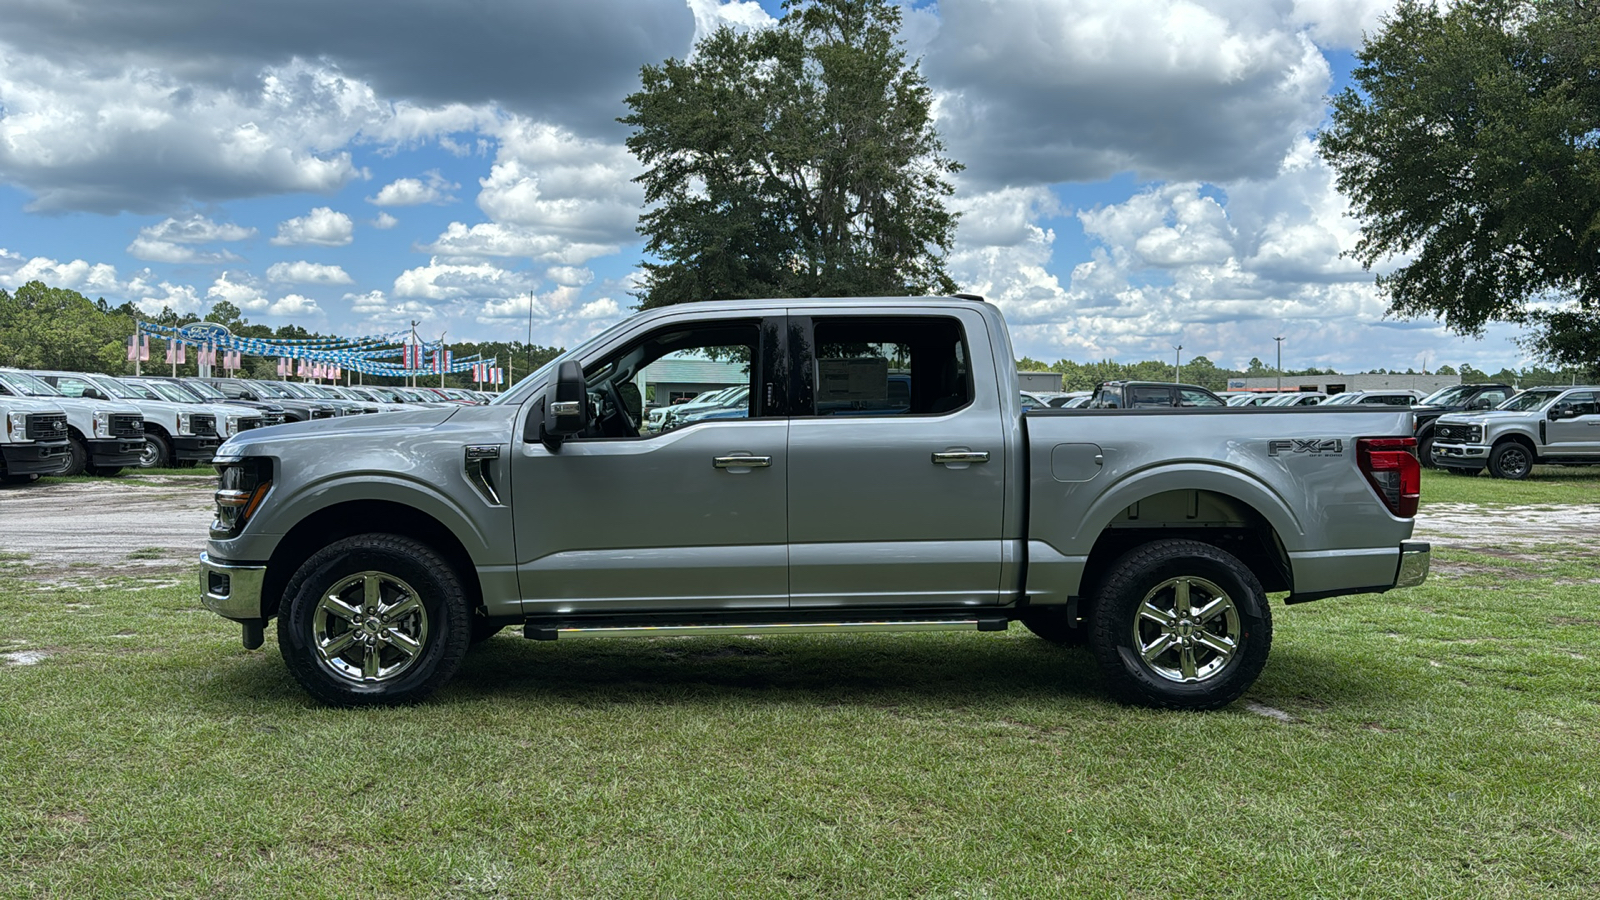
[(385, 546), (1151, 395), (1547, 425), (33, 439)]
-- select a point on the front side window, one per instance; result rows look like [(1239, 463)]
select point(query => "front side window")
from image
[(1581, 403), (902, 366), (712, 364), (1188, 397)]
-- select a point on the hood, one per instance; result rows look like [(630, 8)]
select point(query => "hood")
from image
[(32, 404), (398, 423), (90, 407), (1490, 415)]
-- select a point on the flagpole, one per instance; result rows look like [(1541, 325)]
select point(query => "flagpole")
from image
[(441, 358)]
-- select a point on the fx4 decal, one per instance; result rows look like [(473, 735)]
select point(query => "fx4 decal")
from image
[(1313, 446)]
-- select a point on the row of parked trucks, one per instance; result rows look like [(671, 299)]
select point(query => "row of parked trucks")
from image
[(76, 423)]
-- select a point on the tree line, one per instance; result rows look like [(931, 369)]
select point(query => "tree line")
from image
[(43, 327)]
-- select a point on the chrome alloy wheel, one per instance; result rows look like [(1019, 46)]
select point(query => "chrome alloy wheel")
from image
[(1187, 629), (370, 627), (149, 455)]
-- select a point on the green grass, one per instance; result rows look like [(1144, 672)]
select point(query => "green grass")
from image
[(1444, 742), (134, 476), (1559, 485)]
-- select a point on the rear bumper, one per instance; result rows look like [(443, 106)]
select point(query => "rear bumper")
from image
[(36, 458), (1318, 576), (229, 590), (1473, 457), (116, 452), (198, 449)]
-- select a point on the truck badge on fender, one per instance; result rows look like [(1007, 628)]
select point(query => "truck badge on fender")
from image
[(1314, 446)]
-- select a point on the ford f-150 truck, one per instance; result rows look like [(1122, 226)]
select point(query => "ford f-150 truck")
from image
[(386, 545)]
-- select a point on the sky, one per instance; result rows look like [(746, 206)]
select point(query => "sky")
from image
[(1140, 174)]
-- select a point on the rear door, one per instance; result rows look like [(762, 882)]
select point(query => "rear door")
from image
[(895, 498)]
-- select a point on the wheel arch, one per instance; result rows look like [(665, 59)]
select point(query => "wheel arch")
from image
[(363, 516), (1519, 438)]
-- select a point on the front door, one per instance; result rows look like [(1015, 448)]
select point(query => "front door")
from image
[(625, 519), (896, 465), (1575, 435)]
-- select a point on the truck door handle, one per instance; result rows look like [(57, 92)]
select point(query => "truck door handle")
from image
[(741, 462), (960, 456)]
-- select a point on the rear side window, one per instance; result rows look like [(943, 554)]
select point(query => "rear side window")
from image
[(901, 366), (1150, 397), (1187, 397)]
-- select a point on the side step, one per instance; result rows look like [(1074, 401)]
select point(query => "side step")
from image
[(540, 631)]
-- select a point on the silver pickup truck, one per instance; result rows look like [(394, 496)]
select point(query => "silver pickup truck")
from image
[(387, 545)]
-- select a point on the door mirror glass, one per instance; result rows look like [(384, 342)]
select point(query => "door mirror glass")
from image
[(93, 394)]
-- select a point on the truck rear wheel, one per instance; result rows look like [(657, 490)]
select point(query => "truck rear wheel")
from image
[(373, 620), (1180, 625)]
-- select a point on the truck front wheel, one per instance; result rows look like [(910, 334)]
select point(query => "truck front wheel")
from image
[(1511, 461), (1179, 624), (374, 619)]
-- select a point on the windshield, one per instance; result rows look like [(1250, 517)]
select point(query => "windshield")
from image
[(183, 388), (268, 389), (171, 392), (1286, 400), (140, 391), (1454, 395), (1530, 400), (116, 388), (1341, 400), (205, 391), (27, 385)]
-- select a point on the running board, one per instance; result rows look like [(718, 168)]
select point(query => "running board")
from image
[(539, 632)]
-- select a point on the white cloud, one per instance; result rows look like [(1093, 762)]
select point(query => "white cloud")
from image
[(295, 305), (571, 276), (322, 227), (604, 308), (449, 280), (1183, 89), (578, 189), (241, 290), (1340, 24), (384, 222), (491, 239), (302, 272), (741, 15), (79, 275), (171, 240), (415, 191)]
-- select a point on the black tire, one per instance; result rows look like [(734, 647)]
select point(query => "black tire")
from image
[(157, 452), (77, 457), (438, 624), (1198, 677), (1425, 450), (105, 471), (1511, 460), (1050, 623)]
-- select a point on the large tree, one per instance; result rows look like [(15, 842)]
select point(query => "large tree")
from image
[(793, 161), (1470, 143)]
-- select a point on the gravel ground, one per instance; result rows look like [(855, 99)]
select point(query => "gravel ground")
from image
[(159, 523)]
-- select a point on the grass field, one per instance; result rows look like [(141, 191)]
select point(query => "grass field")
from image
[(1437, 742)]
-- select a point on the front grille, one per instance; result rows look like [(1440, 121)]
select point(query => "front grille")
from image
[(322, 414), (204, 426), (275, 418), (249, 423), (47, 427), (125, 425), (1458, 433)]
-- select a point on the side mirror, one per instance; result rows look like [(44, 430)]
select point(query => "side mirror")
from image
[(1562, 411), (93, 394), (565, 407)]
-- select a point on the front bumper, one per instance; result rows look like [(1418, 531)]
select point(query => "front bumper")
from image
[(1473, 457), (198, 449), (116, 452), (36, 458), (231, 591)]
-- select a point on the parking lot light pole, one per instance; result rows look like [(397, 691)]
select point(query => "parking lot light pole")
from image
[(1280, 363), (1177, 363)]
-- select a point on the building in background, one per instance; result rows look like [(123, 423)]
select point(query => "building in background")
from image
[(1339, 384)]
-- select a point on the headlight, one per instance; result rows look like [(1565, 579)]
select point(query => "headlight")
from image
[(17, 427), (242, 485), (185, 424), (233, 425), (102, 425)]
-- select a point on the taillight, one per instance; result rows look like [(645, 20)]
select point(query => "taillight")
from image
[(1391, 467)]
